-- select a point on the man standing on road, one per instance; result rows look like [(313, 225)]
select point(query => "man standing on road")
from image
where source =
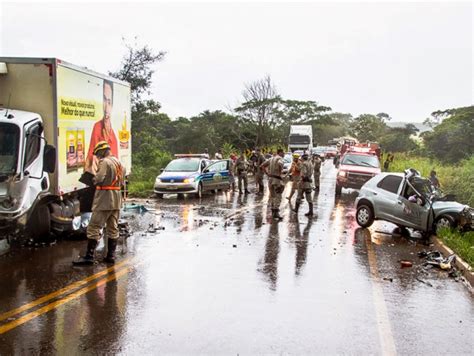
[(106, 206), (295, 175), (304, 187), (218, 155), (317, 171), (259, 171), (242, 166), (233, 160), (274, 169)]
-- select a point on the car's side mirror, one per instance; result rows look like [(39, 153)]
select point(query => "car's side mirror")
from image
[(162, 170), (205, 171), (49, 159)]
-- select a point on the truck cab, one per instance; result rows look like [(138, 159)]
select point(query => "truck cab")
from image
[(300, 138), (24, 167)]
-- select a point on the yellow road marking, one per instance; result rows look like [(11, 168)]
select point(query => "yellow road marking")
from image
[(387, 342), (61, 291), (40, 311)]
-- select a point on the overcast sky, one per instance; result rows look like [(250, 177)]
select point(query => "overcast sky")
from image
[(406, 59)]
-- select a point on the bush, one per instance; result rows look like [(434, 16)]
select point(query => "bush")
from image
[(146, 166)]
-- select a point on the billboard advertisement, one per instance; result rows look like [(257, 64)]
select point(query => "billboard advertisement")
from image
[(90, 109)]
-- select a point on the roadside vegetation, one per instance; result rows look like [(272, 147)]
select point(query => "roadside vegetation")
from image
[(462, 244)]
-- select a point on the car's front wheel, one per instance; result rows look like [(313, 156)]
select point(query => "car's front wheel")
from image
[(444, 221), (159, 195), (338, 190), (199, 191), (364, 216)]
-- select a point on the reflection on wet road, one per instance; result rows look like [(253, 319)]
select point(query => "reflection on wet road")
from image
[(219, 276)]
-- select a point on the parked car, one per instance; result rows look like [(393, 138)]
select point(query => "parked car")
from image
[(408, 200), (355, 169), (192, 174), (320, 151), (331, 151)]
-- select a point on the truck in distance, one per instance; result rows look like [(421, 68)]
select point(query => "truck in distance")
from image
[(300, 138)]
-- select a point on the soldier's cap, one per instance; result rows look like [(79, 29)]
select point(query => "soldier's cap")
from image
[(101, 145), (296, 155)]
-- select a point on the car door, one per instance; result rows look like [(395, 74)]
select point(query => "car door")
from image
[(208, 181), (223, 182), (386, 197), (410, 213), (215, 174)]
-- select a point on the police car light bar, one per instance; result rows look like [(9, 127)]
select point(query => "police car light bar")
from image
[(191, 155)]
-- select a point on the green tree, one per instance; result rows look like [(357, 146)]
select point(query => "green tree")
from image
[(398, 139), (137, 69), (368, 127), (452, 139), (260, 99)]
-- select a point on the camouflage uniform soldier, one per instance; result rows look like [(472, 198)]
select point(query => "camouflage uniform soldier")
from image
[(305, 185), (259, 171), (106, 205), (274, 169), (241, 167), (317, 171)]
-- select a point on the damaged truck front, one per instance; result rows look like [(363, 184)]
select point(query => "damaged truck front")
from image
[(51, 113)]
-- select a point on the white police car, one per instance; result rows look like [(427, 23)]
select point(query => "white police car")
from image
[(192, 174)]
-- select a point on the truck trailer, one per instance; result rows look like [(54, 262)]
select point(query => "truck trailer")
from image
[(52, 113), (301, 138)]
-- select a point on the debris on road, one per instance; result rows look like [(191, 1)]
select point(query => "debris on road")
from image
[(436, 259), (424, 282), (405, 263), (152, 228)]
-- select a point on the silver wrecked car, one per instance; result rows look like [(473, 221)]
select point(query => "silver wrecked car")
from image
[(408, 200)]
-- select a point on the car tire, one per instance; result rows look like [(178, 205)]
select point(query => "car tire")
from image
[(159, 195), (364, 216), (338, 190), (40, 223), (444, 221), (199, 191), (180, 196)]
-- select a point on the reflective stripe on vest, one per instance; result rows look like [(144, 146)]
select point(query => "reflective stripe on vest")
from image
[(117, 179)]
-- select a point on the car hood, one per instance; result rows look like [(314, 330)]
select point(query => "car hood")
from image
[(177, 175), (442, 206), (359, 169)]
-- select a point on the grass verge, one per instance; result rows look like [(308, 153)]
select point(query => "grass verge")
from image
[(461, 243), (140, 189)]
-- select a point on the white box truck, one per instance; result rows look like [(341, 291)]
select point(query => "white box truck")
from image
[(301, 138), (52, 114)]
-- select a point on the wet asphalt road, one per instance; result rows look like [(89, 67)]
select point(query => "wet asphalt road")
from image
[(222, 278)]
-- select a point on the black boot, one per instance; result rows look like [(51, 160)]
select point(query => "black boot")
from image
[(310, 212), (247, 191), (297, 207), (276, 215), (111, 247), (88, 259)]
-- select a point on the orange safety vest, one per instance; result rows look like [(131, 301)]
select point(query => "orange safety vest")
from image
[(115, 185)]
